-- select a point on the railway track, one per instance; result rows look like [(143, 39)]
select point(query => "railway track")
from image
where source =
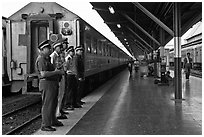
[(18, 128), (20, 118)]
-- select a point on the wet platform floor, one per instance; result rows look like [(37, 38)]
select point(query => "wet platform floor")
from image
[(136, 106)]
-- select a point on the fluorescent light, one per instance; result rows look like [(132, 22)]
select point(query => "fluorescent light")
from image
[(118, 25), (111, 10)]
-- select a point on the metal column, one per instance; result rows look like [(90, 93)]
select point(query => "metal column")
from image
[(177, 50), (162, 64), (154, 56)]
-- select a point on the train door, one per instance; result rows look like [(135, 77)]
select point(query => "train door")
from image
[(39, 33), (39, 29)]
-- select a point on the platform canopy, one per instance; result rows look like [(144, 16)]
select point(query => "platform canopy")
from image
[(138, 24)]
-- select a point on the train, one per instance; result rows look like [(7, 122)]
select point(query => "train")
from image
[(38, 21), (195, 50)]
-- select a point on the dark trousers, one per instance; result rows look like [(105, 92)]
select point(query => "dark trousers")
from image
[(187, 72), (49, 91), (80, 90), (71, 90)]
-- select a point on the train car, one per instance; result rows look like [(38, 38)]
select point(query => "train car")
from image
[(39, 21), (195, 49), (6, 85)]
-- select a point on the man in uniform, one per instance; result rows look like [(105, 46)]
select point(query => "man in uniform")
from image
[(48, 85), (58, 61), (187, 65), (71, 80), (80, 73)]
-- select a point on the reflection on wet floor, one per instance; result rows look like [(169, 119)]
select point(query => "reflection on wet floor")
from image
[(135, 105)]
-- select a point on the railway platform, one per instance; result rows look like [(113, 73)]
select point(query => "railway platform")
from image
[(134, 105)]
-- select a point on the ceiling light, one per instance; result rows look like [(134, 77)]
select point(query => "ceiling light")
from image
[(111, 10), (125, 39), (118, 25)]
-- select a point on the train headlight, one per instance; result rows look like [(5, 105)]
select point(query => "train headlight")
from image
[(66, 31)]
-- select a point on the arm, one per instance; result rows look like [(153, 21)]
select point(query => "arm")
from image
[(43, 71)]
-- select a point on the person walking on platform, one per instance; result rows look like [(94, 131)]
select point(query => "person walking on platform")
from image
[(187, 65), (130, 67), (80, 73), (48, 85), (57, 61), (71, 80)]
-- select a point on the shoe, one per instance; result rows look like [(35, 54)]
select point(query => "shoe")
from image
[(82, 102), (62, 116), (77, 106), (58, 124), (70, 107), (64, 111), (48, 128)]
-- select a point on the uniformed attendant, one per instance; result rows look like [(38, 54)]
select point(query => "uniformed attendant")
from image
[(71, 80), (80, 73), (48, 85), (57, 59)]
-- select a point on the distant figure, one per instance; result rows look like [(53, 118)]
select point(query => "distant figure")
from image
[(130, 67), (168, 78), (187, 65)]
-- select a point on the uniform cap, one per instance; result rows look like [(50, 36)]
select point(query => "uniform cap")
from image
[(65, 41), (79, 48), (56, 44), (43, 44), (70, 48)]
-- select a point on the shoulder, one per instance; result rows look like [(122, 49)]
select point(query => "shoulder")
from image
[(40, 58)]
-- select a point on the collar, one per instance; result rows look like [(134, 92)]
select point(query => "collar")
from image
[(55, 53), (69, 56)]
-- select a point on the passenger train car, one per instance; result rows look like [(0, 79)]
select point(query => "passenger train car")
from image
[(195, 49), (38, 21)]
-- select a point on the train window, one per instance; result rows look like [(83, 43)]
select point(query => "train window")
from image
[(103, 49), (99, 47), (107, 50), (88, 44), (110, 54), (94, 46)]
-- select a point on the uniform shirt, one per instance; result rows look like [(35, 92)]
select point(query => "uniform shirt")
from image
[(43, 64), (56, 60), (71, 67), (80, 66)]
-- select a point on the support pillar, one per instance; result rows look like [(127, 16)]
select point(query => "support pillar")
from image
[(163, 64), (154, 57), (177, 50)]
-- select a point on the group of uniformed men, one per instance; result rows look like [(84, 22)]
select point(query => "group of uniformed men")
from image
[(61, 77)]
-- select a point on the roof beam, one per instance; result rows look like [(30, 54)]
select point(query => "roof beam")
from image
[(100, 9), (140, 46), (106, 10), (116, 22), (149, 14), (140, 38), (139, 27)]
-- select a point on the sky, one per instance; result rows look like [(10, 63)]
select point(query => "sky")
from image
[(83, 10)]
